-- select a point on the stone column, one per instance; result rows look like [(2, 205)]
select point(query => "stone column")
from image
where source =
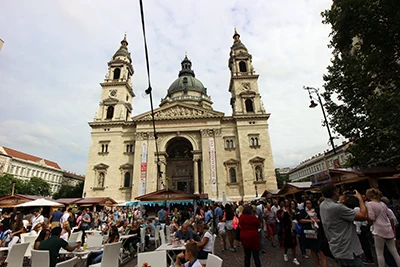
[(196, 175)]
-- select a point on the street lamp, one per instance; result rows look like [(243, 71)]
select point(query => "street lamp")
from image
[(255, 187), (313, 105)]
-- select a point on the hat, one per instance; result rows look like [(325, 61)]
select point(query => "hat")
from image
[(385, 200)]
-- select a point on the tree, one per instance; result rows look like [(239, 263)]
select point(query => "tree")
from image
[(69, 191), (281, 179), (364, 76), (37, 187)]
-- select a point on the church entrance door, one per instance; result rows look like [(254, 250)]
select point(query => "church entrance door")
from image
[(179, 170)]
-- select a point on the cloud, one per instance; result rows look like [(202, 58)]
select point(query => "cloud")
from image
[(56, 53)]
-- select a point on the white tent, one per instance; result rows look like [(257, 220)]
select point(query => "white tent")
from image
[(41, 202), (221, 200)]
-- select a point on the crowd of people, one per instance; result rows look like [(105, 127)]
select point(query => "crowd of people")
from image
[(341, 226)]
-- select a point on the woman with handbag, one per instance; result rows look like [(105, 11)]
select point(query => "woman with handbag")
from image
[(384, 231), (312, 229)]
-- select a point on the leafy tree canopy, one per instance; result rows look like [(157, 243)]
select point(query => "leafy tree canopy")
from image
[(69, 191), (281, 179), (364, 76), (35, 186)]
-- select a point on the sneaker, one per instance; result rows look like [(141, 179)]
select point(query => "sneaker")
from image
[(295, 261), (306, 256), (285, 258), (263, 251), (223, 251), (233, 249)]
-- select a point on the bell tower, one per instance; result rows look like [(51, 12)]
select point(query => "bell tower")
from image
[(245, 96), (117, 93)]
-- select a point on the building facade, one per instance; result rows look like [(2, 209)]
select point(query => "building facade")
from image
[(200, 150), (24, 166), (320, 163)]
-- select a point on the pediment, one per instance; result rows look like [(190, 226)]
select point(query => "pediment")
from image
[(126, 166), (179, 111), (257, 160), (231, 162), (110, 100), (100, 166)]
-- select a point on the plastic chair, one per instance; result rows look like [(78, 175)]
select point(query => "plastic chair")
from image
[(142, 239), (67, 263), (15, 257), (94, 241), (40, 258), (162, 236), (110, 256), (168, 234), (31, 241), (74, 237), (156, 237), (214, 261), (154, 258)]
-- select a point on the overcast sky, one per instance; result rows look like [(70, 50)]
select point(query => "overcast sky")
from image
[(55, 54)]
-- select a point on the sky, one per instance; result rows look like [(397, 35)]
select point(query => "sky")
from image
[(55, 54)]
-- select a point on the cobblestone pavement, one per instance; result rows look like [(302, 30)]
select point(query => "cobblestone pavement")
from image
[(272, 258)]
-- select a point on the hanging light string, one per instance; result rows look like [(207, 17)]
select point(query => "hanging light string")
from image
[(148, 91)]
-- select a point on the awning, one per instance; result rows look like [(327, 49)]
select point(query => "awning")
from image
[(40, 203), (94, 201), (350, 180)]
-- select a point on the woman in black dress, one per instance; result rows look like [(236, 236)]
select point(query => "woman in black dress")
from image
[(312, 229)]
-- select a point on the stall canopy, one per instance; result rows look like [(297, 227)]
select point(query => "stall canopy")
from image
[(96, 201), (68, 201), (164, 195), (41, 202), (11, 201)]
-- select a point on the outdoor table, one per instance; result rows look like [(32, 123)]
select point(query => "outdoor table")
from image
[(173, 248), (80, 253)]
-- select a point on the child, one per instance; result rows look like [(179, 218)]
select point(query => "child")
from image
[(222, 233)]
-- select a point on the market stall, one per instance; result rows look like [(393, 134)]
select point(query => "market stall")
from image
[(96, 201)]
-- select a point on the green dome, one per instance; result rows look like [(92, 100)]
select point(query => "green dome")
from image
[(186, 82)]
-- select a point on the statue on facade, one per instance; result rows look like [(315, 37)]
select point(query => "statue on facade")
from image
[(100, 180)]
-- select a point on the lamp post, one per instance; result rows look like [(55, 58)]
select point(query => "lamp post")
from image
[(313, 105), (255, 187)]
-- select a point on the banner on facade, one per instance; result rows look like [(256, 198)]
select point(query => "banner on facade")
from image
[(143, 169), (213, 166)]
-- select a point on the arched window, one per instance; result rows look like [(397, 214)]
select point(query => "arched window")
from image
[(110, 112), (249, 105), (227, 144), (256, 141), (232, 175), (230, 143), (252, 141), (117, 73), (242, 66), (127, 179)]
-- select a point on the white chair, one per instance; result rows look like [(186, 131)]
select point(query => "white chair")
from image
[(15, 257), (31, 240), (110, 256), (162, 236), (40, 258), (154, 258), (214, 261), (74, 237), (162, 226), (168, 233), (142, 239), (67, 263), (94, 241), (204, 261), (156, 237)]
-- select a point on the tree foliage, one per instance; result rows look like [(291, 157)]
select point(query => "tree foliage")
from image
[(281, 179), (35, 186), (69, 191), (364, 76)]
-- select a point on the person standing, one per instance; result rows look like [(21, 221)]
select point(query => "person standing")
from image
[(37, 218), (249, 236), (340, 231), (384, 230), (313, 241), (55, 218), (162, 215), (269, 217)]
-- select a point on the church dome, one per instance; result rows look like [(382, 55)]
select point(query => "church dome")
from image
[(186, 80), (123, 50)]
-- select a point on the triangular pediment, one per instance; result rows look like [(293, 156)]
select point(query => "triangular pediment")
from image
[(100, 166), (110, 100), (257, 160), (231, 162), (179, 111)]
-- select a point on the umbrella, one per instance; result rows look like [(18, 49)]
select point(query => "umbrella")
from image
[(41, 202)]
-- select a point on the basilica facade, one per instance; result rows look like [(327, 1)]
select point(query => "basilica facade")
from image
[(200, 150)]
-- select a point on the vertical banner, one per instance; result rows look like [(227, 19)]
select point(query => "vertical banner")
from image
[(143, 169), (212, 166)]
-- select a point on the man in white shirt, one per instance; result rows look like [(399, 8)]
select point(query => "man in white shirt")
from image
[(37, 218), (65, 217)]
